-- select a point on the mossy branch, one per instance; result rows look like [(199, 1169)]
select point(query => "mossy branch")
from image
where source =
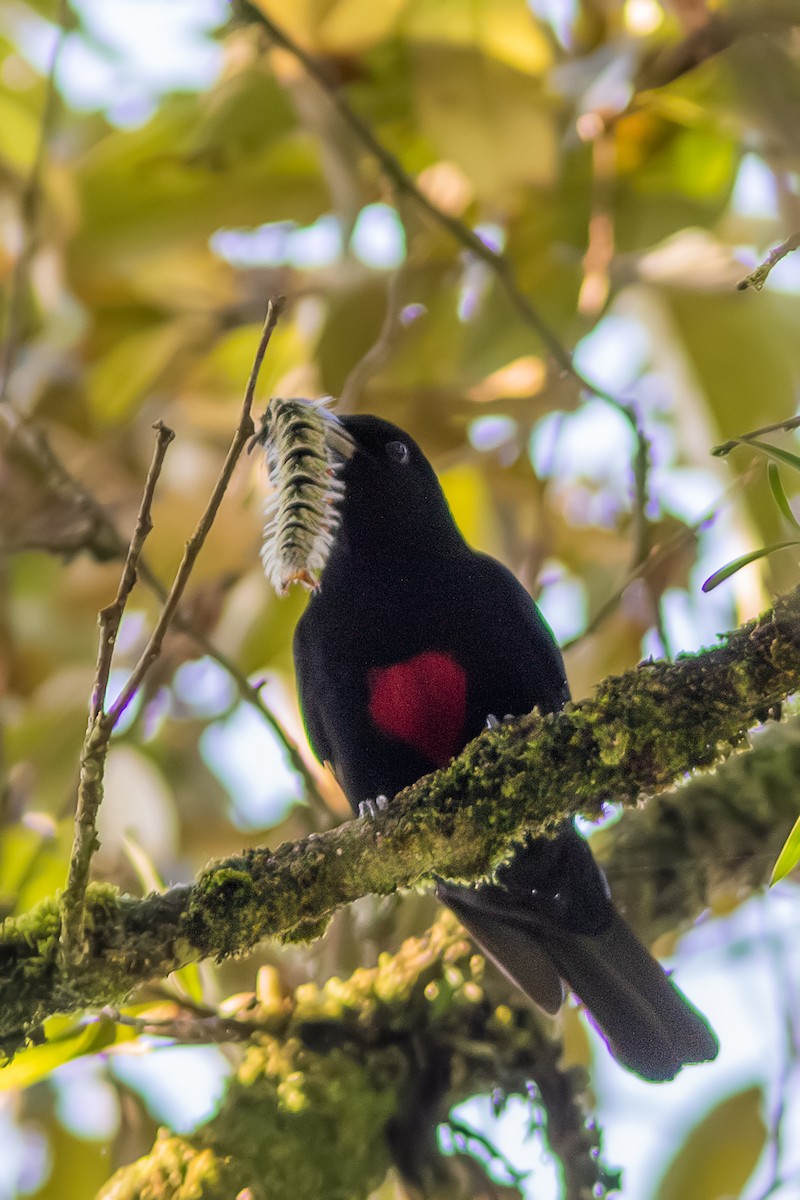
[(363, 1070), (642, 731), (708, 843)]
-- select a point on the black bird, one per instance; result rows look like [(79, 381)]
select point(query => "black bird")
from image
[(412, 640)]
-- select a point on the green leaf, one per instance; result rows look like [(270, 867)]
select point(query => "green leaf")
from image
[(148, 191), (776, 452), (737, 563), (67, 1038), (189, 980), (720, 1153), (503, 30), (79, 1166), (760, 360), (339, 29), (478, 112), (19, 129), (781, 499), (33, 860), (789, 856), (137, 364)]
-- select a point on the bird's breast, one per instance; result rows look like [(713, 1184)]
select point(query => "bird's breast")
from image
[(422, 702)]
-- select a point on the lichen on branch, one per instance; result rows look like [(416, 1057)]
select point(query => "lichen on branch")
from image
[(708, 843), (640, 734), (363, 1070)]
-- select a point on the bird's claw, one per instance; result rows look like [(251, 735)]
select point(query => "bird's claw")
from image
[(493, 722), (373, 808)]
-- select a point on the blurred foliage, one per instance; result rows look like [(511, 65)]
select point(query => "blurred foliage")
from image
[(605, 148), (736, 1129)]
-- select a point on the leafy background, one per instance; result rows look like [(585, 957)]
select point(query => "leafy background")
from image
[(632, 161)]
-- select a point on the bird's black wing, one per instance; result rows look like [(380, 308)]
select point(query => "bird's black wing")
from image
[(311, 690)]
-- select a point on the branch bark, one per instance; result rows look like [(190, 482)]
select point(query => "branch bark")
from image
[(95, 745), (706, 844), (73, 943), (404, 1041), (640, 734)]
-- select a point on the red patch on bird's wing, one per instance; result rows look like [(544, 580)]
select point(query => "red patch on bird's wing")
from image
[(422, 702)]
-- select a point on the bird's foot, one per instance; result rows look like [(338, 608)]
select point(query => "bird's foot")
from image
[(493, 722), (373, 808)]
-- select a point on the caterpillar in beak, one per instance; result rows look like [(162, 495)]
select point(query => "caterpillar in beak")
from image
[(304, 445)]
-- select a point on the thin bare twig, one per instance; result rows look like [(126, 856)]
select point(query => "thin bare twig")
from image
[(29, 205), (780, 427), (679, 539), (111, 616), (187, 1028), (102, 722), (378, 353), (105, 542), (757, 278), (241, 437), (461, 233), (95, 744), (464, 1133)]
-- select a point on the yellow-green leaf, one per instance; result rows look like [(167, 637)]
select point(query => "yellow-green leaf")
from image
[(736, 564), (136, 365), (19, 130), (492, 120), (505, 30), (779, 494), (720, 1153), (339, 28), (68, 1039), (78, 1166), (789, 856)]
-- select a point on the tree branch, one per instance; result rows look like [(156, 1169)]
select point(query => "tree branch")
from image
[(757, 278), (243, 434), (95, 743), (404, 1041), (714, 838), (641, 733), (498, 264), (101, 721)]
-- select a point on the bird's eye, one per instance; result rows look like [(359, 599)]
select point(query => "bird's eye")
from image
[(398, 451)]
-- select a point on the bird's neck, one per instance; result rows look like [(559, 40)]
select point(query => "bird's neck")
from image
[(391, 570)]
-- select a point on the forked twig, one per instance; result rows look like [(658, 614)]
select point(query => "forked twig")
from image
[(102, 721), (95, 743), (243, 434)]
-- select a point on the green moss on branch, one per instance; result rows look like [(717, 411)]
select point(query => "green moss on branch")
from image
[(709, 842), (639, 734), (362, 1070)]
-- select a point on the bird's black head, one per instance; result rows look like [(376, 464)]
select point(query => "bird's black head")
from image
[(392, 501)]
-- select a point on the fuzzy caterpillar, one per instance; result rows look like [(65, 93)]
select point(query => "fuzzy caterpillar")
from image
[(302, 514)]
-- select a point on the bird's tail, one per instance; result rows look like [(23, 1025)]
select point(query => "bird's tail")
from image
[(648, 1023)]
